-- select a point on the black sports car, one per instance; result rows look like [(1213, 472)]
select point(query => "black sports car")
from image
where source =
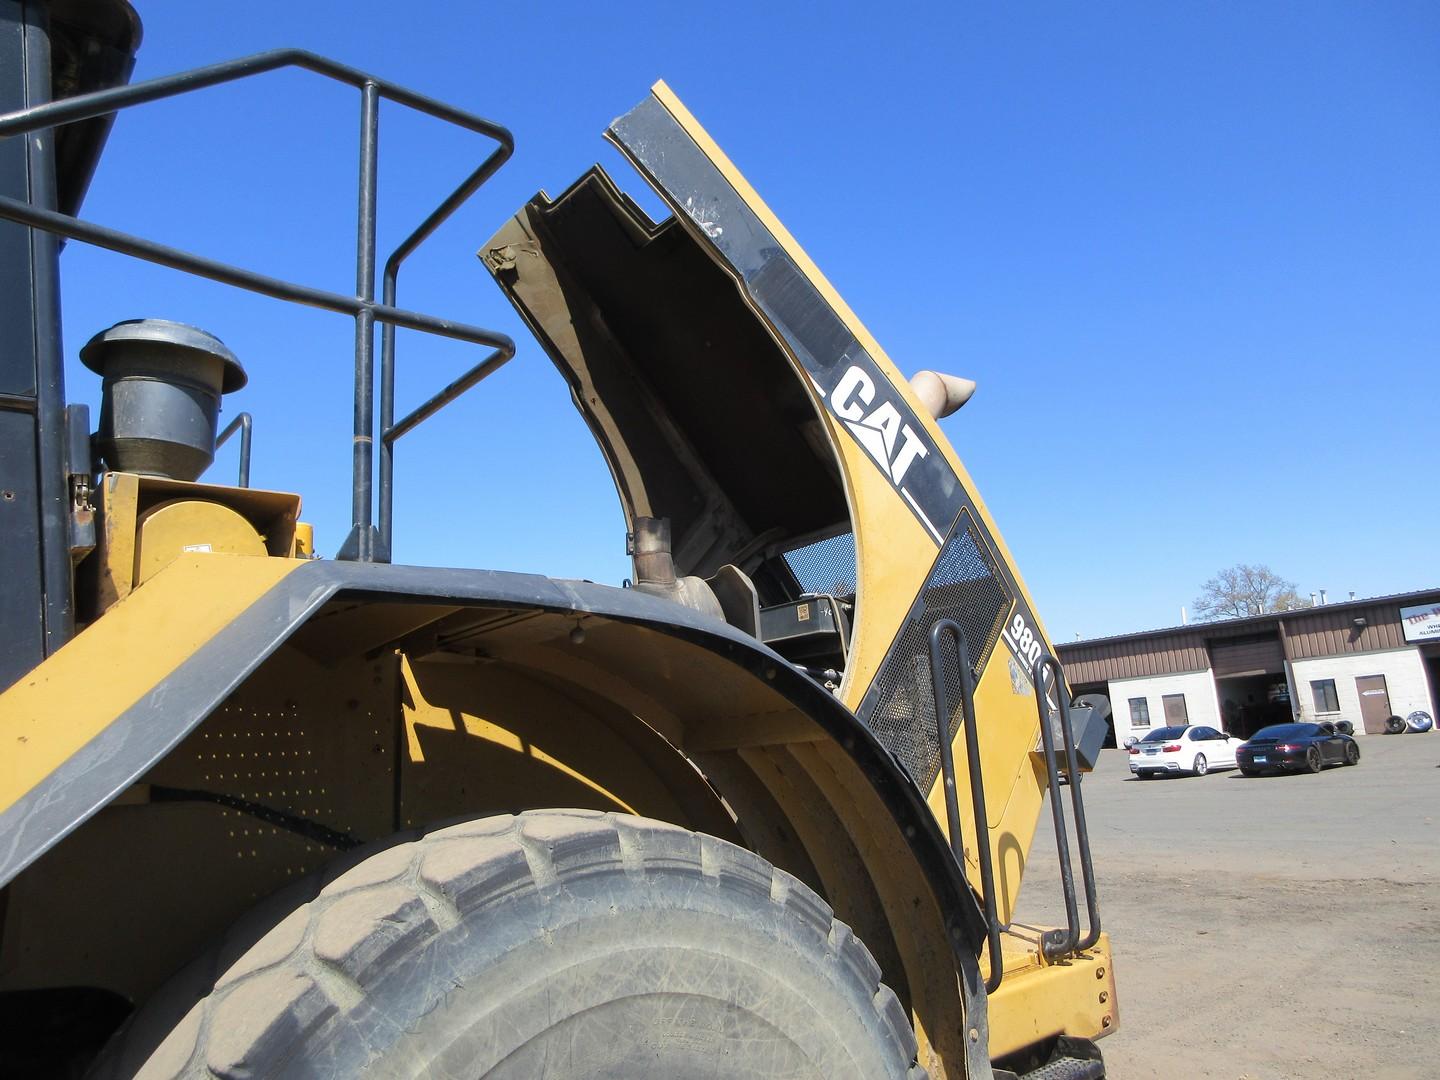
[(1293, 747)]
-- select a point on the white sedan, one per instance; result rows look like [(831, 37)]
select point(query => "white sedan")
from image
[(1175, 750)]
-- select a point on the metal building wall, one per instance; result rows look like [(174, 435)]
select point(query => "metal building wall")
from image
[(1127, 658), (1329, 630)]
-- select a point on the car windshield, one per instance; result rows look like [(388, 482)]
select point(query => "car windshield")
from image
[(1286, 731), (1164, 734)]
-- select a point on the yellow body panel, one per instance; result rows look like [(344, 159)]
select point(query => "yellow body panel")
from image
[(888, 584), (128, 502), (1013, 794), (1075, 997), (171, 529), (113, 562), (74, 695)]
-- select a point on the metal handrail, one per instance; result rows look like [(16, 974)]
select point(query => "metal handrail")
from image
[(1071, 942), (977, 782), (362, 541), (244, 424), (389, 430)]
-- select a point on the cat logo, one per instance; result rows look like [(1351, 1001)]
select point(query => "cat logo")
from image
[(880, 430)]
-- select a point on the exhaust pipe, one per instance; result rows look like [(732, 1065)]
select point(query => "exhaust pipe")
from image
[(941, 394), (655, 569)]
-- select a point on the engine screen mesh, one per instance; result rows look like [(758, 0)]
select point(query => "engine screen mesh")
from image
[(966, 587), (826, 566)]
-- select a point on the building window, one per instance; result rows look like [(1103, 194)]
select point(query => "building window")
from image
[(1175, 709), (1325, 699), (1139, 712)]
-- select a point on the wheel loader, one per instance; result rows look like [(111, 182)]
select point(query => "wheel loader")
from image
[(762, 811)]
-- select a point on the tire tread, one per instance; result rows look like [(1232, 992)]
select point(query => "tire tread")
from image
[(267, 994)]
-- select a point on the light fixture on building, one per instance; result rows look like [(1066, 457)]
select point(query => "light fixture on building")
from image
[(1359, 620)]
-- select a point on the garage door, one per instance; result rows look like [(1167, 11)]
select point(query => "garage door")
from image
[(1247, 656)]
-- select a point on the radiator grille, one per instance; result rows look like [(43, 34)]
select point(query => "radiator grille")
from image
[(826, 566), (964, 586)]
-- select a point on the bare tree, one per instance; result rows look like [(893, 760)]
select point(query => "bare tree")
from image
[(1238, 591)]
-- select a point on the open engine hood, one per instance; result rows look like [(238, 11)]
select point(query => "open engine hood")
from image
[(702, 417)]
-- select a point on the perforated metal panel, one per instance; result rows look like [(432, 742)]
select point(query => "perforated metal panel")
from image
[(314, 742), (965, 586), (826, 566)]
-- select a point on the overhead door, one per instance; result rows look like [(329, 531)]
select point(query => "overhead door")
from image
[(1253, 655)]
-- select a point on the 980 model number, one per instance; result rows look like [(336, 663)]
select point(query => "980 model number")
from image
[(1023, 641)]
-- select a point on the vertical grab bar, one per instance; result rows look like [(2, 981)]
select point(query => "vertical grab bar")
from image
[(242, 423), (1082, 827), (977, 782), (1056, 947), (1072, 942)]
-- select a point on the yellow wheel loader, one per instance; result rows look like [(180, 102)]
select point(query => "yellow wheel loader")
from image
[(763, 812)]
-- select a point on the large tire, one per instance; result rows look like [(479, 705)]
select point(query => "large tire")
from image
[(556, 944), (1199, 766), (1352, 754), (1068, 1068), (1395, 725), (1313, 761)]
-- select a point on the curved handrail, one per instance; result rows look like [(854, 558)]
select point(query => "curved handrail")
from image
[(101, 102), (362, 542)]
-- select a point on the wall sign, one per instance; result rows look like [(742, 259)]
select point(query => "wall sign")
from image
[(1421, 623)]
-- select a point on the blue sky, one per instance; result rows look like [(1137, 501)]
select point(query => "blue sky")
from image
[(1190, 252)]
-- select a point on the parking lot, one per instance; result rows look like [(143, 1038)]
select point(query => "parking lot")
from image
[(1268, 927)]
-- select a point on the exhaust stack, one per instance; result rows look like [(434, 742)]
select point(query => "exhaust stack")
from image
[(941, 394), (655, 574)]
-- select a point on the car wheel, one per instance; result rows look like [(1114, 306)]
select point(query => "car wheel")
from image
[(1352, 754), (1395, 725), (1200, 766), (1313, 763)]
